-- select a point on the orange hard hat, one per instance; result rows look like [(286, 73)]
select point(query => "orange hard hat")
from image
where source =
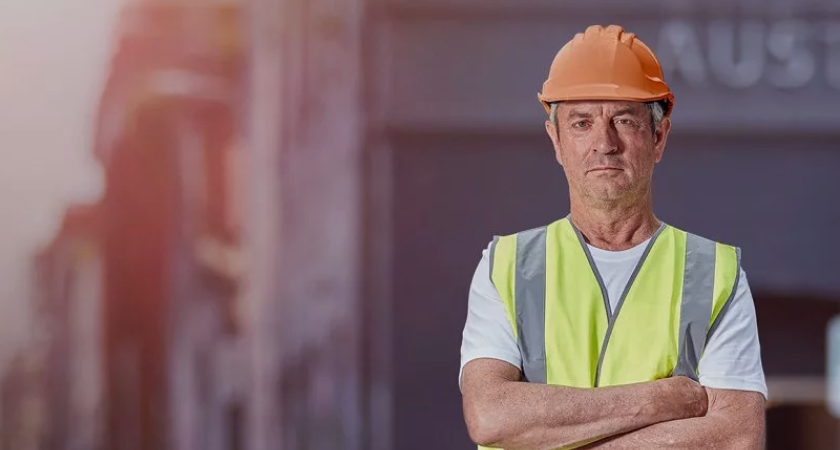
[(605, 64)]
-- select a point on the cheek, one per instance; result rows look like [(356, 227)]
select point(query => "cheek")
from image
[(641, 156), (572, 164), (643, 168), (571, 154)]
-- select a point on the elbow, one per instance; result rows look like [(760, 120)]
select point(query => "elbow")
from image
[(483, 435), (747, 435), (479, 434), (751, 438), (746, 441), (482, 425), (490, 403)]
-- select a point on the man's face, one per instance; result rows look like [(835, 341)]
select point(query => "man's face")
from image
[(607, 148)]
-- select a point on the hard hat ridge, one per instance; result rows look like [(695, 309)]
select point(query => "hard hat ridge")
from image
[(605, 63)]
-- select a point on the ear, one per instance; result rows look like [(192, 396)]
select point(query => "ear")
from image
[(660, 137), (552, 134)]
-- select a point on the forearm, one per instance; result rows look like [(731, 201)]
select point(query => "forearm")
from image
[(537, 416), (530, 416), (701, 432), (737, 427)]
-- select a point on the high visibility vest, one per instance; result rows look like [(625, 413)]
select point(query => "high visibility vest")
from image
[(566, 331)]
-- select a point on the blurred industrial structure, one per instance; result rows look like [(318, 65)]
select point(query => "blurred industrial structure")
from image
[(138, 296), (297, 193)]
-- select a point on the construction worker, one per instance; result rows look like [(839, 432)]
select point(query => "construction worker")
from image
[(609, 328)]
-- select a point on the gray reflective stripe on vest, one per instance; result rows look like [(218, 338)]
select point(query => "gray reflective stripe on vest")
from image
[(492, 257), (728, 303), (529, 298), (696, 308)]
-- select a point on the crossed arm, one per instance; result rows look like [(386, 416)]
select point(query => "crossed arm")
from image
[(674, 413)]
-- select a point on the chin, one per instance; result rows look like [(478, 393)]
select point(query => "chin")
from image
[(609, 195)]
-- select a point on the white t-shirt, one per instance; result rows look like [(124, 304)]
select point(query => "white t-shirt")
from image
[(731, 360)]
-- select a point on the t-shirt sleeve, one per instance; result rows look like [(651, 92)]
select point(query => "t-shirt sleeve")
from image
[(732, 358), (487, 331)]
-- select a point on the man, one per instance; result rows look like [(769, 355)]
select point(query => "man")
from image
[(609, 328)]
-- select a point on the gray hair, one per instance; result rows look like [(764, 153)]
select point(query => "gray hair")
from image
[(657, 113)]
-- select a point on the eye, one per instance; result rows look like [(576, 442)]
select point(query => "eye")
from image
[(624, 121), (580, 124)]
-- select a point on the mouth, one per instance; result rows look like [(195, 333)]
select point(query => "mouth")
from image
[(604, 169)]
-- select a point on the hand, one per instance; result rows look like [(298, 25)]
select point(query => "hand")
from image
[(687, 398), (712, 395)]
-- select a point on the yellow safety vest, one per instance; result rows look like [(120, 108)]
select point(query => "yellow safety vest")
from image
[(567, 334)]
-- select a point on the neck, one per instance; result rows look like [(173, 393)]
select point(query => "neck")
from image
[(615, 226)]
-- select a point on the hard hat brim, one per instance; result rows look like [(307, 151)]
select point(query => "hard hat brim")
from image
[(604, 92)]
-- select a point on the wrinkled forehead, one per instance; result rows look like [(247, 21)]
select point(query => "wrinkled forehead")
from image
[(600, 108)]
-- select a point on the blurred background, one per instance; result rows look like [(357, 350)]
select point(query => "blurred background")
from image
[(252, 224)]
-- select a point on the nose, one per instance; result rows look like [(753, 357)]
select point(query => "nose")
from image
[(605, 138)]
